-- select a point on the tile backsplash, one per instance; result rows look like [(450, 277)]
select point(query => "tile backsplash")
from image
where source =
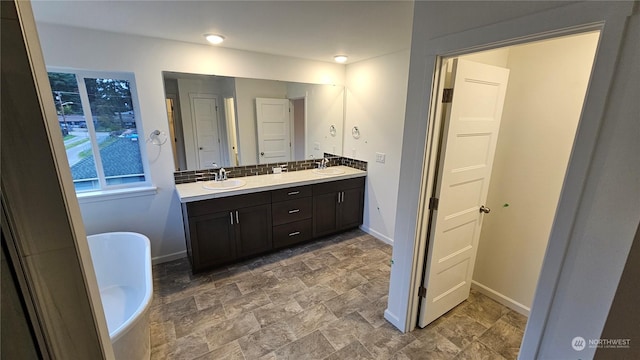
[(187, 176)]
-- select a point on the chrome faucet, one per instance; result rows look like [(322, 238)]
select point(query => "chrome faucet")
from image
[(222, 175)]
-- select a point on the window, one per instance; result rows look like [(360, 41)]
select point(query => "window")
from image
[(98, 118)]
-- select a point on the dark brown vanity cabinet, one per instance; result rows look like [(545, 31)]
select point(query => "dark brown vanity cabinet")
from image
[(337, 205), (219, 231)]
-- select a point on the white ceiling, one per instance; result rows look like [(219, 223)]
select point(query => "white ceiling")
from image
[(315, 30)]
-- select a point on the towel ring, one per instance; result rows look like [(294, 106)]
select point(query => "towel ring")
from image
[(157, 137), (355, 132)]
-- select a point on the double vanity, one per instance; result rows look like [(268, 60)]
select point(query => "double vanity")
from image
[(225, 221)]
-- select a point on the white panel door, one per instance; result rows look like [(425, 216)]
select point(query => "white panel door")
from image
[(274, 138), (467, 151), (204, 111)]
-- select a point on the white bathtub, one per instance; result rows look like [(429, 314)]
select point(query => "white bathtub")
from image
[(122, 262)]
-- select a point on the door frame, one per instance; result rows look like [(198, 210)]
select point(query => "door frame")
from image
[(565, 20)]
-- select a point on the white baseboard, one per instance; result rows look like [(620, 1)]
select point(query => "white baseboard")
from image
[(394, 320), (376, 234), (168, 257), (502, 299)]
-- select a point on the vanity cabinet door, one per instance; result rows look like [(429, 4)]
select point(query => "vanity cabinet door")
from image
[(337, 205), (325, 214), (212, 240), (350, 209), (253, 230)]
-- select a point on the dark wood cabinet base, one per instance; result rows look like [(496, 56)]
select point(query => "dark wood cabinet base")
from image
[(224, 230)]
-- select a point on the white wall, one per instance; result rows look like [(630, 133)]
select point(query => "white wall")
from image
[(247, 90), (159, 216), (547, 84), (598, 211), (376, 98)]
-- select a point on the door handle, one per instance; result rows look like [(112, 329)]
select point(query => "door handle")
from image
[(231, 216), (262, 153), (293, 193), (201, 148), (294, 211), (294, 233), (484, 209), (237, 219)]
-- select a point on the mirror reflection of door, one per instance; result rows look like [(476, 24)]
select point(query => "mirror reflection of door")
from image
[(232, 138), (172, 130), (204, 112), (298, 127), (274, 137)]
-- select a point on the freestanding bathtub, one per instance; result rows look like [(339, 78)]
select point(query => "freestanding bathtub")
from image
[(122, 262)]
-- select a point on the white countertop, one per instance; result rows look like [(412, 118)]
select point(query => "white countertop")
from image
[(195, 191)]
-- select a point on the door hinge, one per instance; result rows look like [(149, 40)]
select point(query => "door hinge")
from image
[(422, 292), (447, 96), (433, 203)]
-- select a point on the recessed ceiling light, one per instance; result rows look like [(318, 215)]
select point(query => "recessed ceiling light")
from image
[(340, 58), (214, 39)]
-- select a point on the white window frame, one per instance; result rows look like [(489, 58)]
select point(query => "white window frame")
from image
[(104, 190)]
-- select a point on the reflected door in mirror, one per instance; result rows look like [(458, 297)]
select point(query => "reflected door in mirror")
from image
[(274, 137), (207, 128)]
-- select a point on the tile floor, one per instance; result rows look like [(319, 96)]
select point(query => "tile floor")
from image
[(321, 300)]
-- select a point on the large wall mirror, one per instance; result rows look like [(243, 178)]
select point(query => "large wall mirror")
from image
[(230, 121)]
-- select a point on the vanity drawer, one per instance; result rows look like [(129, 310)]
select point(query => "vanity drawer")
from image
[(293, 210), (292, 233), (211, 206), (291, 193)]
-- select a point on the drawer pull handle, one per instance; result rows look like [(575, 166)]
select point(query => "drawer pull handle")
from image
[(293, 193), (295, 233), (294, 211)]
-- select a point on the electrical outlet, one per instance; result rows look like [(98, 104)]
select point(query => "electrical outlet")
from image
[(381, 157)]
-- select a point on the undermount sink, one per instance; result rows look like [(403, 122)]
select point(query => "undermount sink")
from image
[(224, 185), (328, 171)]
